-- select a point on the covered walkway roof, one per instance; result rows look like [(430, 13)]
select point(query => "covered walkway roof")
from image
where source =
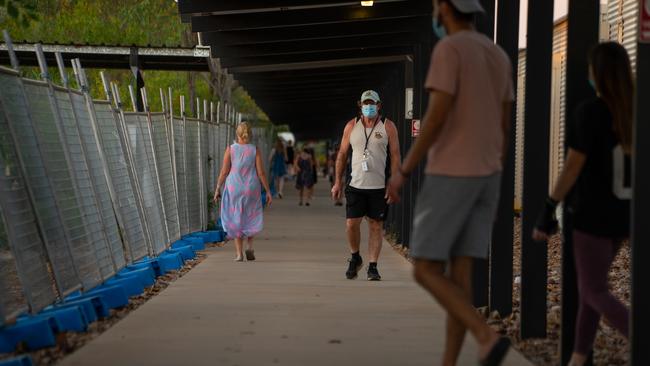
[(306, 62)]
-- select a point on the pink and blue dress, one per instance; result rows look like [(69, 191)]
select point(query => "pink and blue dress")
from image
[(241, 204)]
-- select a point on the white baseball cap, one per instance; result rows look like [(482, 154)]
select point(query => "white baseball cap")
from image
[(370, 95), (468, 6)]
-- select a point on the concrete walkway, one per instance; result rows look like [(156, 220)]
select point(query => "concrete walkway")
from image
[(292, 306)]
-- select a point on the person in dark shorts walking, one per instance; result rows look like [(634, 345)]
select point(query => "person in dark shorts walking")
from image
[(464, 131), (304, 177), (370, 138), (598, 168)]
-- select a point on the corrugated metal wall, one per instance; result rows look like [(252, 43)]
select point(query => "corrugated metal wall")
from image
[(620, 22), (623, 19)]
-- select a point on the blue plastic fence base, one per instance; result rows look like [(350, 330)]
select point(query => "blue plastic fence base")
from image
[(154, 263), (18, 361), (131, 284), (144, 276), (93, 307), (198, 243), (147, 265), (215, 236), (113, 296), (170, 262), (186, 251), (36, 333), (201, 235), (69, 319)]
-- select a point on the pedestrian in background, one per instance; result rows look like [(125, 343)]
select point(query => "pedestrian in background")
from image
[(243, 174), (464, 131), (597, 167), (277, 161), (304, 168)]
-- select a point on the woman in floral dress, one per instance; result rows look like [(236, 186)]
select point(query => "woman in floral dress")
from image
[(241, 201)]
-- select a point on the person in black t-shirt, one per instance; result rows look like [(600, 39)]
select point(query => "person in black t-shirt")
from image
[(597, 167)]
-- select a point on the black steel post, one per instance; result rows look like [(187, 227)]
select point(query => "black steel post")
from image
[(536, 157), (501, 251), (134, 63), (584, 21), (640, 318), (408, 198), (481, 270)]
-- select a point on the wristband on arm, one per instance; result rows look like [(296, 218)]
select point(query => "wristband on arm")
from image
[(547, 220)]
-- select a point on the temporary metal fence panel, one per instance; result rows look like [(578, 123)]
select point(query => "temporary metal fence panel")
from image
[(213, 167), (181, 177), (140, 140), (192, 173), (12, 298), (24, 275), (96, 164), (224, 142), (42, 132), (205, 172), (88, 197), (123, 183), (166, 174), (18, 123)]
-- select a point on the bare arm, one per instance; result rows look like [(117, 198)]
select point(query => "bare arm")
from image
[(259, 166), (225, 170), (505, 126), (575, 160), (434, 119), (393, 145), (342, 156)]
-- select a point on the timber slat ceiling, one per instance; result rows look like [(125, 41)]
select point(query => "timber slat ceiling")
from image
[(305, 62)]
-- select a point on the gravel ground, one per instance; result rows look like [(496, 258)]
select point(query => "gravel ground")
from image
[(610, 347), (69, 342)]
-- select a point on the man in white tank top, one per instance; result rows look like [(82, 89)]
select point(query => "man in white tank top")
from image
[(370, 138)]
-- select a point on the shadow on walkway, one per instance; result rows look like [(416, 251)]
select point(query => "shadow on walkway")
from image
[(292, 306)]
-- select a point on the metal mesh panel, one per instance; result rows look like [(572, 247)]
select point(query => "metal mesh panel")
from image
[(205, 172), (84, 183), (12, 298), (213, 165), (165, 173), (123, 182), (181, 184), (97, 173), (192, 161), (19, 233), (138, 135), (36, 177)]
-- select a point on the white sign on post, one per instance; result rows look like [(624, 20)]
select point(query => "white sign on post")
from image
[(409, 103), (644, 21)]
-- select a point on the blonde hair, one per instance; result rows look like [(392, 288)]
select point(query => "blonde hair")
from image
[(244, 131)]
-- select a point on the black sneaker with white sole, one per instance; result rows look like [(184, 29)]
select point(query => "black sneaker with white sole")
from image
[(373, 273), (354, 266)]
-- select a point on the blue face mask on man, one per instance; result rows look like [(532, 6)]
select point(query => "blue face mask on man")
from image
[(439, 29), (369, 110)]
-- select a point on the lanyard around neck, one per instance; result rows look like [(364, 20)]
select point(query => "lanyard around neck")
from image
[(371, 131)]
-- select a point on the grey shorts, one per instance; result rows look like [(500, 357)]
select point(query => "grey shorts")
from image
[(454, 217)]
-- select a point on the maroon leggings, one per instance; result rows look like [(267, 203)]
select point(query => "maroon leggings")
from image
[(594, 255)]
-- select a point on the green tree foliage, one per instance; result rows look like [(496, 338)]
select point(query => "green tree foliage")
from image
[(113, 22)]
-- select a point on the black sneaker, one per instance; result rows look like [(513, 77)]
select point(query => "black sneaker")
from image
[(353, 268), (373, 274)]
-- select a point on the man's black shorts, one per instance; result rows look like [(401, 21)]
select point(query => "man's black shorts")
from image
[(369, 203)]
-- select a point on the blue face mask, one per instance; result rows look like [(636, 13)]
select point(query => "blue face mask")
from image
[(592, 83), (369, 110), (439, 29)]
